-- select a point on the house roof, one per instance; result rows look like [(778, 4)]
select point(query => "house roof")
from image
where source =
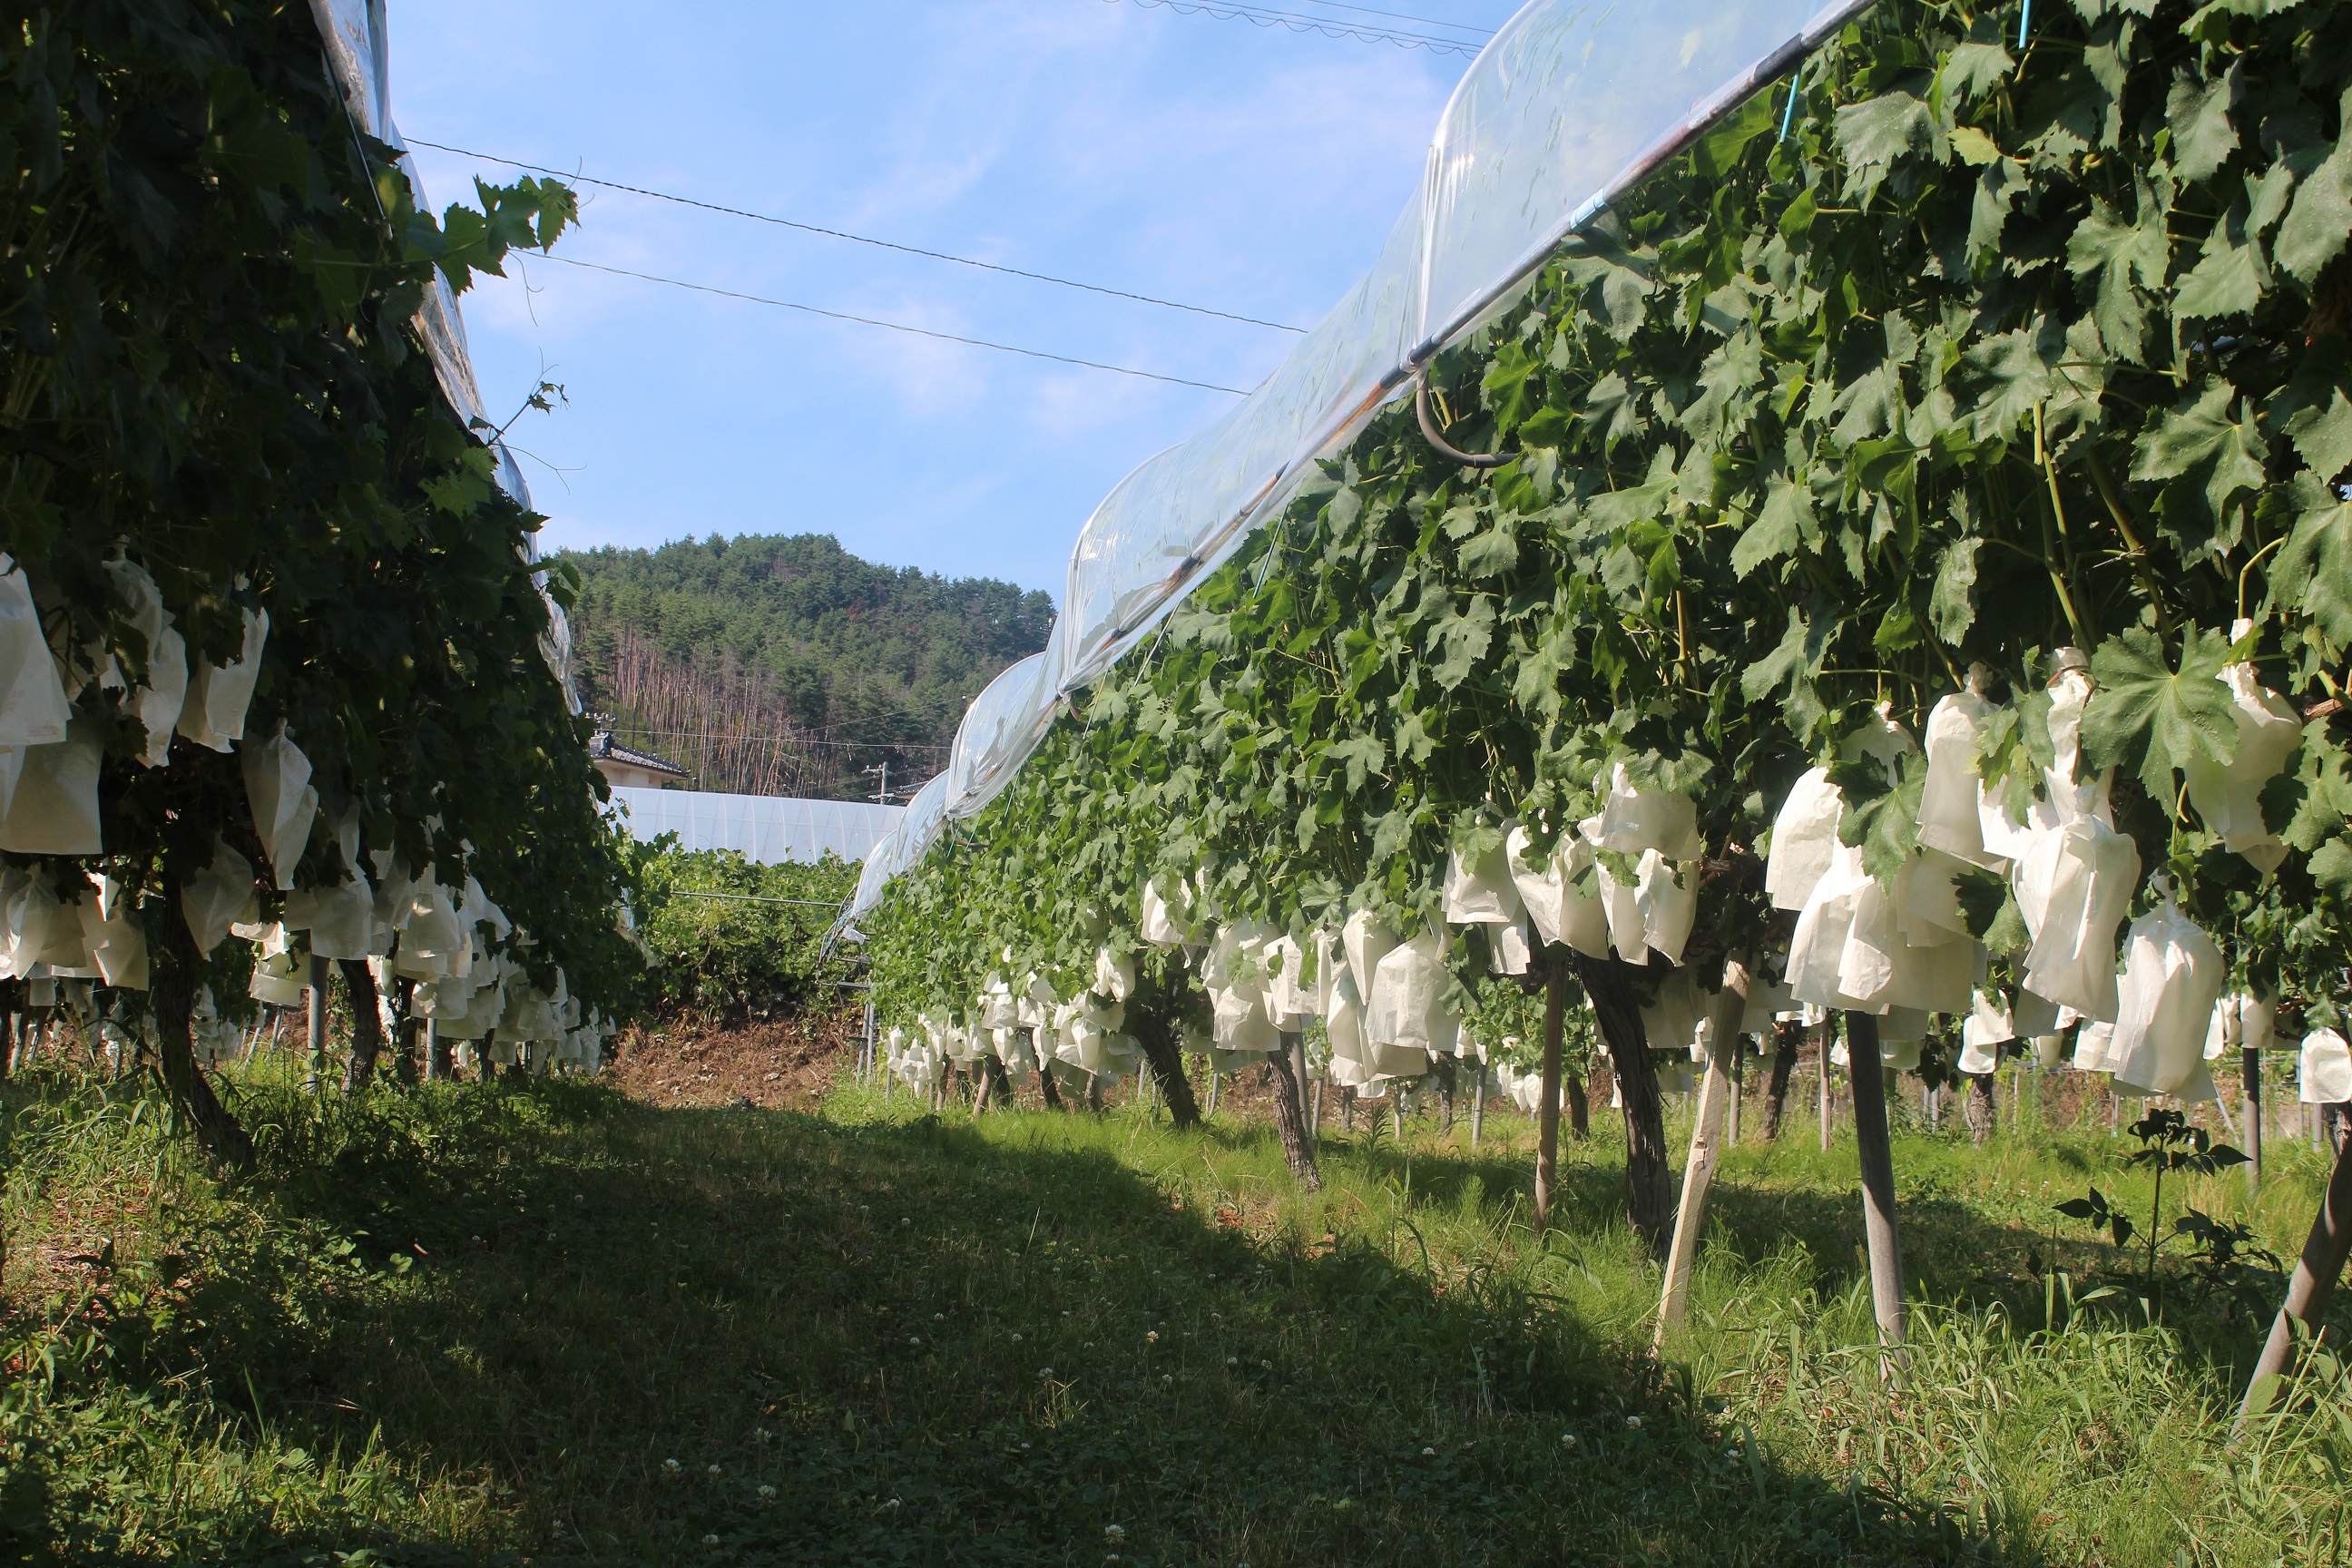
[(603, 748)]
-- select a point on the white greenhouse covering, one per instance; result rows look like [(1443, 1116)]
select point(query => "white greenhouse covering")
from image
[(767, 829), (1570, 107)]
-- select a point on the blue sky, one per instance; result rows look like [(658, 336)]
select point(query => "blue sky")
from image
[(1208, 161)]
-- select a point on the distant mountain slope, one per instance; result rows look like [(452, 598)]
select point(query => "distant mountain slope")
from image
[(775, 664)]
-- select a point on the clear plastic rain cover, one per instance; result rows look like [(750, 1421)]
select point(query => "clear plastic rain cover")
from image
[(359, 54), (1570, 107)]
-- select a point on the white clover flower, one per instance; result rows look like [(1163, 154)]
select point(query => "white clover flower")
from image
[(914, 1339), (710, 1541), (1114, 1532), (672, 1466), (1152, 1337), (1634, 1421), (1046, 1372), (1568, 1439), (1429, 1453), (766, 1491), (1233, 1360), (714, 1469)]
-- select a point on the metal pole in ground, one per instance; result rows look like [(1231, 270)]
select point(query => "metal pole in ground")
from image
[(1738, 1092), (1877, 1184), (1215, 1077), (1708, 1130), (316, 1073), (1477, 1102), (1307, 1118), (1547, 1109), (2250, 1065), (1829, 1115)]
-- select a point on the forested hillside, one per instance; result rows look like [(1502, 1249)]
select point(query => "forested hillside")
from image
[(786, 665)]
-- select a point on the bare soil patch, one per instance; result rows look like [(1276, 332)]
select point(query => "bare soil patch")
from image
[(784, 1064)]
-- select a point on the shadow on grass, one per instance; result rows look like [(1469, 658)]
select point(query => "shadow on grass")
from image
[(1782, 1200), (740, 1337)]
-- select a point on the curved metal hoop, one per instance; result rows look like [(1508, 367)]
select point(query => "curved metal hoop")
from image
[(1429, 431)]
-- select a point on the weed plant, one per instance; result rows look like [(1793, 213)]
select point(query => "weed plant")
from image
[(542, 1323)]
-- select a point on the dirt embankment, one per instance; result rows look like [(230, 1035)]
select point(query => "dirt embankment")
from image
[(786, 1063)]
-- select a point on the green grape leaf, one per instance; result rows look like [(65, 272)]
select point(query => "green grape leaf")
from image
[(2331, 868), (1459, 639), (1884, 825), (1998, 188), (2199, 113), (2197, 432), (1970, 71), (1975, 147), (2148, 716), (1490, 553), (1719, 151), (1786, 523), (2313, 569), (1952, 603), (2315, 226), (1881, 129), (2323, 437), (2230, 278)]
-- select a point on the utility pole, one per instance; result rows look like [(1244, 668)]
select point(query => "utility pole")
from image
[(881, 797)]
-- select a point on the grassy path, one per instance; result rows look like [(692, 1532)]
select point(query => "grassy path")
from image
[(556, 1325)]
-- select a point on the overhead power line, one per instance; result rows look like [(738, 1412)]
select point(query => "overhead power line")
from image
[(857, 238), (1401, 17), (1298, 22), (894, 326)]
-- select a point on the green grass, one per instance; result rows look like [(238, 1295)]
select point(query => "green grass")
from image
[(471, 1325)]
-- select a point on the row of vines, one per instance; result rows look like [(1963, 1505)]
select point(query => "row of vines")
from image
[(275, 652), (1918, 585)]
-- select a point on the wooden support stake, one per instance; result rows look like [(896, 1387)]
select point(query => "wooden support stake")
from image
[(1877, 1186), (1705, 1148), (1547, 1109)]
